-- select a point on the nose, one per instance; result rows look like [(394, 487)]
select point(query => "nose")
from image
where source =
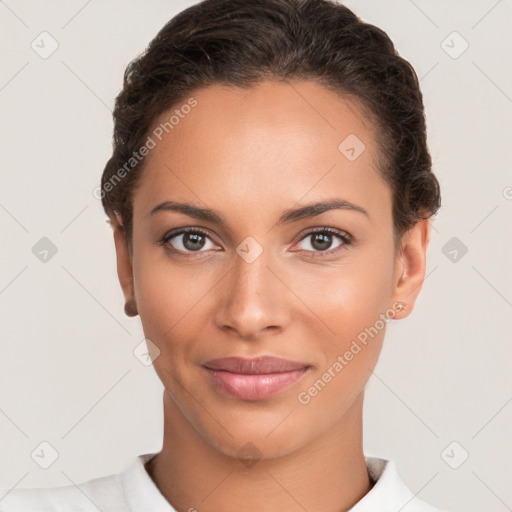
[(254, 299)]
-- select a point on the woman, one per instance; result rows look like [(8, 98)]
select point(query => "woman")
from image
[(270, 191)]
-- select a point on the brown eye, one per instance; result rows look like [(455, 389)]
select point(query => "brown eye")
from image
[(324, 240), (188, 241), (193, 241), (321, 241)]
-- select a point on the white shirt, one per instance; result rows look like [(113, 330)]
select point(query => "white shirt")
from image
[(133, 490)]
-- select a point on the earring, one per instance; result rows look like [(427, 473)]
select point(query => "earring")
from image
[(130, 308), (400, 306)]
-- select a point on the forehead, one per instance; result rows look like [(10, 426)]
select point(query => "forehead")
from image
[(268, 145)]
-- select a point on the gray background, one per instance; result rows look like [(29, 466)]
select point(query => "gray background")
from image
[(68, 373)]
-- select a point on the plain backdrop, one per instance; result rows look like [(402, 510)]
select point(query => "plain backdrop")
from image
[(439, 403)]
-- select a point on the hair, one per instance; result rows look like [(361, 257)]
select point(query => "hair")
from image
[(239, 43)]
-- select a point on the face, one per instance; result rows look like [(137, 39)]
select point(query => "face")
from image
[(260, 271)]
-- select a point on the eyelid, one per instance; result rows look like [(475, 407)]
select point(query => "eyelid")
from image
[(325, 229)]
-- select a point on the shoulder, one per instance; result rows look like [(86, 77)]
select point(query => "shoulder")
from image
[(130, 490), (389, 492), (103, 493)]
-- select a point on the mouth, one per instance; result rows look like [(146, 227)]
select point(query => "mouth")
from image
[(254, 379)]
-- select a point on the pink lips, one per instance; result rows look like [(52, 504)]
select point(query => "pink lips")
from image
[(254, 379)]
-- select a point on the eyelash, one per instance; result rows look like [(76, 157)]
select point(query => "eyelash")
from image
[(344, 237)]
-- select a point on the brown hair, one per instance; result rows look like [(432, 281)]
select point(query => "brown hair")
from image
[(240, 43)]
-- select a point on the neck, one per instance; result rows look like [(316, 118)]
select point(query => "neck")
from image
[(328, 474)]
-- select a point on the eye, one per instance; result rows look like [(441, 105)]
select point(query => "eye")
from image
[(188, 240), (321, 241), (192, 240)]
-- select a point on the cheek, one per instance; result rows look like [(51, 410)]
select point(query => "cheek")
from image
[(169, 301), (352, 301), (171, 308), (354, 307), (166, 293), (349, 296)]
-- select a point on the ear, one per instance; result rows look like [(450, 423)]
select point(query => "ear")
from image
[(410, 267), (124, 259)]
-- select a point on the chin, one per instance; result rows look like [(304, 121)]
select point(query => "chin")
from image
[(252, 446), (262, 433)]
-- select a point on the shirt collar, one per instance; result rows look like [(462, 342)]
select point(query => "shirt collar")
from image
[(388, 492)]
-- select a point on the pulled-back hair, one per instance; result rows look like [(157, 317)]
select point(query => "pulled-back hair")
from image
[(241, 43)]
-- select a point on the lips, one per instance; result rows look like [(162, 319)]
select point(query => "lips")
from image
[(254, 379), (257, 366)]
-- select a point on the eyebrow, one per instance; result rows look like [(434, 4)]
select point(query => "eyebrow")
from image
[(288, 216)]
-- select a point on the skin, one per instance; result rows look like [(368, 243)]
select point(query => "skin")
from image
[(252, 154)]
